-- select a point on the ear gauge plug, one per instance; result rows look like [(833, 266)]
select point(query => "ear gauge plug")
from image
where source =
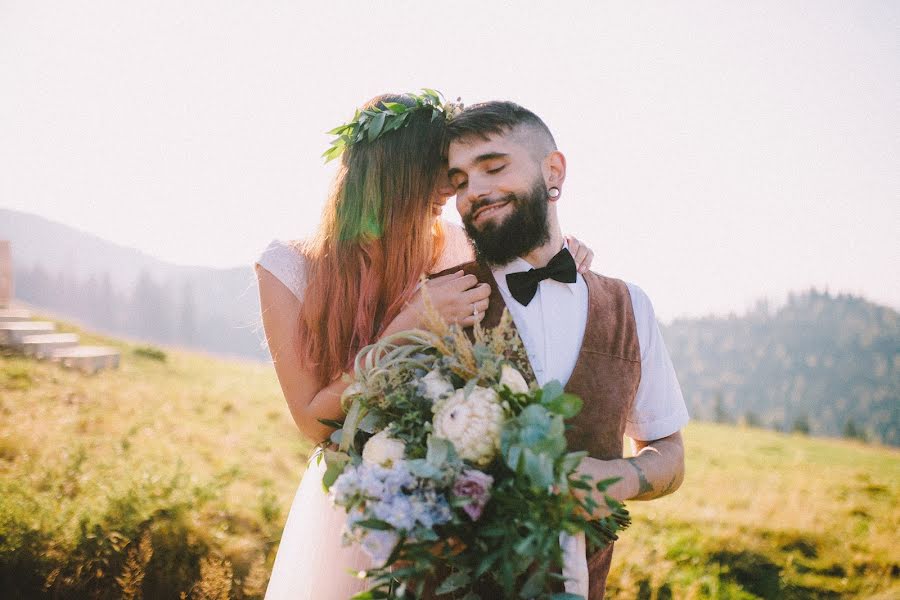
[(553, 193)]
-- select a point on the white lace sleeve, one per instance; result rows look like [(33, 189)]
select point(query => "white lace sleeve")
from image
[(457, 248), (284, 261)]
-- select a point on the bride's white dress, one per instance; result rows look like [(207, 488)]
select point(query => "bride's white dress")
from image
[(312, 563)]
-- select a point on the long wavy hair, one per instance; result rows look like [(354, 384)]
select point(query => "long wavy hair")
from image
[(377, 236)]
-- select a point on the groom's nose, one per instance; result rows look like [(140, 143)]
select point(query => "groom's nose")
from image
[(477, 189)]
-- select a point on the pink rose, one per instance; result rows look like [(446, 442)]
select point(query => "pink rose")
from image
[(476, 486)]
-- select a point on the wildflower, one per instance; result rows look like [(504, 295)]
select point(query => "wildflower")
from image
[(475, 485)]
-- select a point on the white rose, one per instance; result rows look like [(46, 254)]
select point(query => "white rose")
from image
[(472, 424), (512, 379), (435, 386), (382, 449)]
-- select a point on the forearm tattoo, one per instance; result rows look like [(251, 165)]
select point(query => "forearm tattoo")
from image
[(644, 486), (671, 487)]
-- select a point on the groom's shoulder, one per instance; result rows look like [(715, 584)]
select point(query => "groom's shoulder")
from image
[(617, 291), (606, 282)]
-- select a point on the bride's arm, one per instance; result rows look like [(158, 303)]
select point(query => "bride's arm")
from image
[(452, 295), (306, 400)]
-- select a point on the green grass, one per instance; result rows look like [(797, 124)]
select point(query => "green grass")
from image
[(199, 457), (763, 514)]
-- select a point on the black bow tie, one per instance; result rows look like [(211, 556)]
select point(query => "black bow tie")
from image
[(524, 284)]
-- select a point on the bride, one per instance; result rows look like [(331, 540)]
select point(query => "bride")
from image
[(354, 281)]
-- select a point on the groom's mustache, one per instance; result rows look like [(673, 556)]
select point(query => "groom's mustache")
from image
[(477, 206)]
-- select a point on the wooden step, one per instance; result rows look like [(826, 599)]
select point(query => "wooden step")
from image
[(43, 345), (14, 314), (11, 333), (88, 359)]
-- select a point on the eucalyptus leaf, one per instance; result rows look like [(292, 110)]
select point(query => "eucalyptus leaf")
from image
[(487, 562), (339, 129), (375, 127), (371, 423), (420, 467), (396, 107), (538, 468), (351, 422), (513, 457), (534, 585), (551, 390), (525, 546), (566, 405), (453, 582), (438, 451), (335, 463), (374, 524), (335, 436)]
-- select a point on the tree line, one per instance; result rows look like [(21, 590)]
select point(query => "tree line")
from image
[(821, 364), (176, 312)]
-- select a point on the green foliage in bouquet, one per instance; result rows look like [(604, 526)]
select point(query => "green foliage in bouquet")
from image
[(455, 471)]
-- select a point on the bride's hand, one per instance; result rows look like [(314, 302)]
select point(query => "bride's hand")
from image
[(458, 297), (583, 255)]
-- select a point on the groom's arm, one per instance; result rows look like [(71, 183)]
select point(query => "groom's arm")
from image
[(654, 422), (657, 469)]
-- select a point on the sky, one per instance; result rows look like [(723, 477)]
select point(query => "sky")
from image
[(718, 153)]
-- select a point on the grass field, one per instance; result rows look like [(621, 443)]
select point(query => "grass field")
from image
[(173, 476)]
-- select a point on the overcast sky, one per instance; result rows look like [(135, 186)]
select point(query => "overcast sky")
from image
[(717, 152)]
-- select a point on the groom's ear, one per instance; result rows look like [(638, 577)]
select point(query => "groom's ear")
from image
[(553, 169)]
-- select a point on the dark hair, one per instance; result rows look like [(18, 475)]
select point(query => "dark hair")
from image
[(495, 117)]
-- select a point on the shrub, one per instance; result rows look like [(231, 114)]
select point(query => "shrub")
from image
[(150, 352)]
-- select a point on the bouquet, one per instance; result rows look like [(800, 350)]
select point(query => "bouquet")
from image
[(454, 471)]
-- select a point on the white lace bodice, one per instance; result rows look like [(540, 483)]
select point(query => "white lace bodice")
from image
[(285, 260)]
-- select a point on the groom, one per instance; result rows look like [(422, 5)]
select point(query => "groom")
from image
[(596, 335)]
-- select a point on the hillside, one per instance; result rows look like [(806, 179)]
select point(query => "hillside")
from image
[(829, 365), (198, 458), (122, 291)]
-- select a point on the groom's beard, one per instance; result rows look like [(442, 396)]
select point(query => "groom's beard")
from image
[(522, 231)]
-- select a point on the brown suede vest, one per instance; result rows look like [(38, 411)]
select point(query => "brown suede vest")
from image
[(605, 377)]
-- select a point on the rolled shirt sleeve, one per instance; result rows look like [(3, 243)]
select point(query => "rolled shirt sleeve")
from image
[(658, 410)]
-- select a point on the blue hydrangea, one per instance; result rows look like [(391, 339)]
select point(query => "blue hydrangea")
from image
[(370, 482)]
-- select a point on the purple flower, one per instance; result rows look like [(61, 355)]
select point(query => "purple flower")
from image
[(476, 486)]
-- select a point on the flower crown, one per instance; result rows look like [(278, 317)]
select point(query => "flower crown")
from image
[(371, 123)]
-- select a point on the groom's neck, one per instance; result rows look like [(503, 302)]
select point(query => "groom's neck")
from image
[(540, 256)]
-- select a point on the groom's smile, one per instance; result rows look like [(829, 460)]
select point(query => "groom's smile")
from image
[(492, 210)]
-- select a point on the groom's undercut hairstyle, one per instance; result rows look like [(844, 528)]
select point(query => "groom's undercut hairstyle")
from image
[(503, 118)]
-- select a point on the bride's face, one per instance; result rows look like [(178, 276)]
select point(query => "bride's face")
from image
[(443, 191)]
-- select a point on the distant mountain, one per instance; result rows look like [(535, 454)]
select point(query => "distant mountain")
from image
[(121, 290), (823, 364)]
